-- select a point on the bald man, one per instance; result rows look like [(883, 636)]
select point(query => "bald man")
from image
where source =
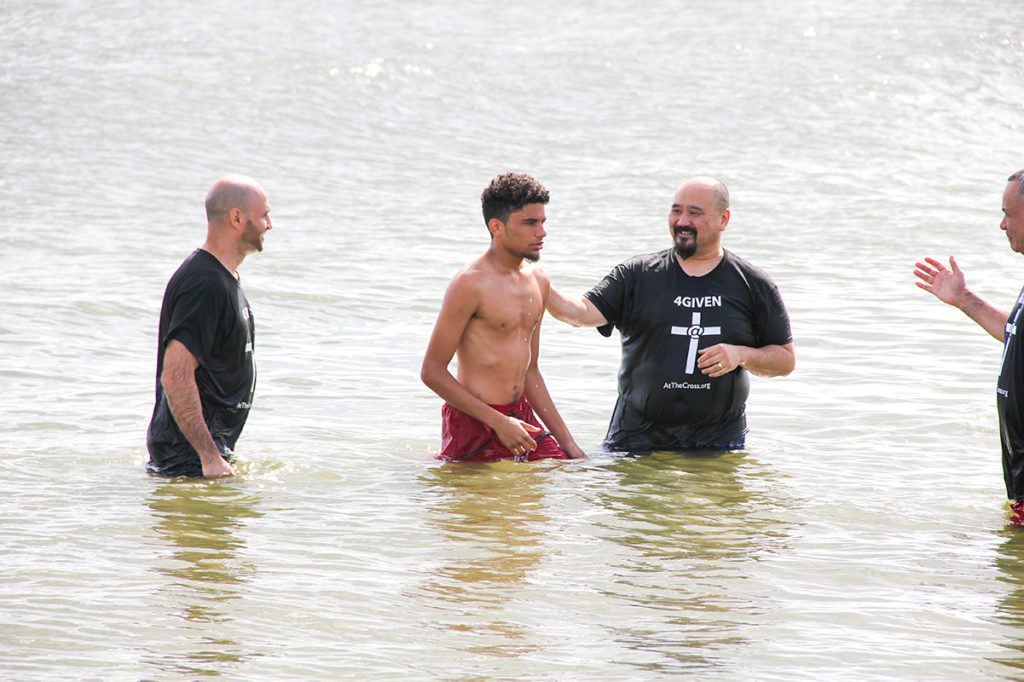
[(205, 373), (694, 320), (949, 285)]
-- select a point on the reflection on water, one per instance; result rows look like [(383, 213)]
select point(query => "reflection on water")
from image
[(492, 515), (693, 523), (200, 521), (851, 126), (1010, 561)]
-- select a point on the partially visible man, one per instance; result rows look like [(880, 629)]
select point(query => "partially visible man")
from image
[(490, 318), (694, 320), (949, 286), (205, 373)]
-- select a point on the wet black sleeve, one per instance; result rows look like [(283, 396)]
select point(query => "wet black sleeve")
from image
[(194, 319), (611, 296), (771, 320)]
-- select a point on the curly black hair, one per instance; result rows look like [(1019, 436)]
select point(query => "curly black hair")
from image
[(510, 192)]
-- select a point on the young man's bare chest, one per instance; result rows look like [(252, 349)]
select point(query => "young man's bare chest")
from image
[(510, 303)]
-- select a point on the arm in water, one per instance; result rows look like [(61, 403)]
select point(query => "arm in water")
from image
[(544, 407), (179, 381)]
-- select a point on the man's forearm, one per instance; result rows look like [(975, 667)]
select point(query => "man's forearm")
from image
[(544, 407), (579, 312), (448, 388), (769, 361), (187, 410), (988, 317)]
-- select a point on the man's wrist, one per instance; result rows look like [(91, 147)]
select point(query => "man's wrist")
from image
[(965, 300), (496, 419), (210, 457)]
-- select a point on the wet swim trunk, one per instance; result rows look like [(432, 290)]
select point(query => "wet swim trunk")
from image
[(465, 439), (1017, 513)]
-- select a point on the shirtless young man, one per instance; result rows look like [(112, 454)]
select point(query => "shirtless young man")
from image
[(490, 319)]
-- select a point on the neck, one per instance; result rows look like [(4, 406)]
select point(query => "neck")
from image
[(504, 261), (229, 258), (701, 263)]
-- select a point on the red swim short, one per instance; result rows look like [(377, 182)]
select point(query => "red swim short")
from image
[(1017, 513), (464, 439)]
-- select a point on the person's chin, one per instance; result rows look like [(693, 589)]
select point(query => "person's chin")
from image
[(684, 251), (686, 244)]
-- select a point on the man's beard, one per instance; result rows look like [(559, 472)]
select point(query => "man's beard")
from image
[(532, 257), (251, 235), (686, 249)]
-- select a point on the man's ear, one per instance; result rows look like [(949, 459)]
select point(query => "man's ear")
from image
[(236, 218), (495, 227)]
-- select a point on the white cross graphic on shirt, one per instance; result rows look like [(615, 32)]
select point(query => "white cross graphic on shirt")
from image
[(695, 331)]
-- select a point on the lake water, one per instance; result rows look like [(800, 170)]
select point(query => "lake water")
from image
[(863, 533)]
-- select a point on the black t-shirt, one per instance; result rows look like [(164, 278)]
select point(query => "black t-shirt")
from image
[(664, 317), (204, 309), (1010, 407)]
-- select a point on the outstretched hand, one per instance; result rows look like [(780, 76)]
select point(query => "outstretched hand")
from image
[(947, 285)]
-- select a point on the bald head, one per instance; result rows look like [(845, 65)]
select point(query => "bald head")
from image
[(228, 192), (721, 192), (1018, 177)]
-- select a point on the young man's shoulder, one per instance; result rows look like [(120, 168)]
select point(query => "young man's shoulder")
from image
[(470, 274), (469, 283), (481, 271)]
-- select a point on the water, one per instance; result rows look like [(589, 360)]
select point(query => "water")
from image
[(861, 536)]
